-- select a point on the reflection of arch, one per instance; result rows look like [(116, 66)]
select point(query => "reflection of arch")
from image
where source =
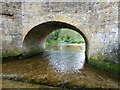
[(34, 40)]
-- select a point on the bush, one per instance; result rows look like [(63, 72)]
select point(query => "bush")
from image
[(63, 36)]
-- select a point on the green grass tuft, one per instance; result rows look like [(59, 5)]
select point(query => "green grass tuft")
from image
[(106, 66)]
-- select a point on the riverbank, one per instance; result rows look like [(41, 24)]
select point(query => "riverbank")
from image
[(59, 66), (38, 70)]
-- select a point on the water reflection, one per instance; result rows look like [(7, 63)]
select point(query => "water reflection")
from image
[(67, 48), (57, 68), (66, 59)]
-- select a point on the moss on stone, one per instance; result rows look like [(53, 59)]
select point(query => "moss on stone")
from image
[(105, 65), (11, 53)]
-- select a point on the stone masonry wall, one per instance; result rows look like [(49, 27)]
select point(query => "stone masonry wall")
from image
[(11, 23), (97, 20)]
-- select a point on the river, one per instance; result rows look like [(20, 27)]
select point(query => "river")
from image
[(61, 66)]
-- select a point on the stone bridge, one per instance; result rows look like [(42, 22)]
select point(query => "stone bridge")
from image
[(25, 26)]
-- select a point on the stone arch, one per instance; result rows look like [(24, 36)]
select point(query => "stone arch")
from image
[(34, 40), (57, 17)]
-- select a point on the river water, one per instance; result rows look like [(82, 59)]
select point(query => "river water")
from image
[(58, 66)]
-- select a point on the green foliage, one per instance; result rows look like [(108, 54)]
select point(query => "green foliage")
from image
[(106, 66), (64, 36)]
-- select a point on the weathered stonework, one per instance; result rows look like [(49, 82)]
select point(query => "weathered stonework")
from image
[(25, 26)]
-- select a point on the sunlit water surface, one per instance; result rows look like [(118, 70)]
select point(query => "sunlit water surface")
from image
[(57, 66), (66, 58)]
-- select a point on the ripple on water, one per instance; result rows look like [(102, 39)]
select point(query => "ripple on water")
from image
[(66, 62), (58, 68)]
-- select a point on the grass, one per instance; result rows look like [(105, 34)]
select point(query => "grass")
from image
[(106, 66)]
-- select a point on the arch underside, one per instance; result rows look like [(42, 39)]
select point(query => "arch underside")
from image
[(35, 39)]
